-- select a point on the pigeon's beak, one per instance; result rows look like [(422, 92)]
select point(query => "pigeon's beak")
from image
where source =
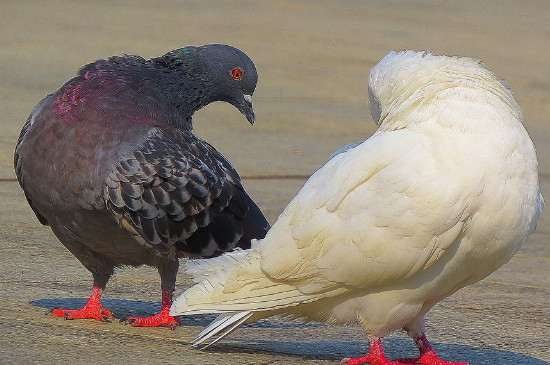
[(245, 107)]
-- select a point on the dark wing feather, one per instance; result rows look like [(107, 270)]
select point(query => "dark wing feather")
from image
[(177, 195)]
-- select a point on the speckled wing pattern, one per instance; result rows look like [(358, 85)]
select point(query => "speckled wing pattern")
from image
[(178, 195)]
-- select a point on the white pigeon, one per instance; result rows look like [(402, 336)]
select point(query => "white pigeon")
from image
[(440, 196)]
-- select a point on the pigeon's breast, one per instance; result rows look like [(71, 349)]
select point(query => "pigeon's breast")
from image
[(64, 165), (63, 168)]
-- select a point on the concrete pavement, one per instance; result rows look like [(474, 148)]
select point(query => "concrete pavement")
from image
[(312, 58)]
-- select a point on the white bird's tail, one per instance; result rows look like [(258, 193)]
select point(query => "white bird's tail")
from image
[(234, 286)]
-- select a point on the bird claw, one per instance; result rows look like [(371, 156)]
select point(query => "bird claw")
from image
[(367, 359), (153, 321), (87, 312), (429, 358), (107, 319), (413, 361), (129, 321)]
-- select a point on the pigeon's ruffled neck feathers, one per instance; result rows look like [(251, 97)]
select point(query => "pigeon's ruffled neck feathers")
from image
[(405, 81), (132, 91), (123, 91), (187, 62), (194, 78), (190, 81)]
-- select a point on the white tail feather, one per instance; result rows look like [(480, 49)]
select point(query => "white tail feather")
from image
[(235, 282), (235, 286), (222, 326), (204, 269)]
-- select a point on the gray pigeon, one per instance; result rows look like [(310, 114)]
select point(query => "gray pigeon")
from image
[(111, 164)]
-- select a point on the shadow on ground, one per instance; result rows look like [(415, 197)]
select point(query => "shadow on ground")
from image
[(123, 308), (394, 347), (318, 350)]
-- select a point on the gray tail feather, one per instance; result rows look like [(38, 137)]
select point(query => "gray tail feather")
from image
[(222, 326)]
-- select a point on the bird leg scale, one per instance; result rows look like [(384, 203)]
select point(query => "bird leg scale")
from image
[(374, 357), (92, 310), (428, 356), (162, 318)]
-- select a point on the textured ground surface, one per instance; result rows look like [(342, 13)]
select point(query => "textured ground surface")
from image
[(313, 58)]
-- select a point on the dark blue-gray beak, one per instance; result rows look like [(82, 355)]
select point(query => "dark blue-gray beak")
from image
[(245, 107)]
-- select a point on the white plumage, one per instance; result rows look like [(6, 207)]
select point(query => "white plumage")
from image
[(441, 195)]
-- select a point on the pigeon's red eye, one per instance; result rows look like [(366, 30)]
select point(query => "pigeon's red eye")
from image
[(237, 74)]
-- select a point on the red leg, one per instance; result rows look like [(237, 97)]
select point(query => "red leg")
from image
[(428, 356), (163, 318), (92, 310), (374, 357)]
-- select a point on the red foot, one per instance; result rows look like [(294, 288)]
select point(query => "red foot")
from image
[(367, 359), (163, 318), (427, 354), (430, 358), (86, 312), (92, 310), (374, 357)]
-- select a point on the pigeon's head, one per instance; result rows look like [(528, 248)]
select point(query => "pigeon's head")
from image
[(235, 76), (226, 73), (395, 78), (406, 79)]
